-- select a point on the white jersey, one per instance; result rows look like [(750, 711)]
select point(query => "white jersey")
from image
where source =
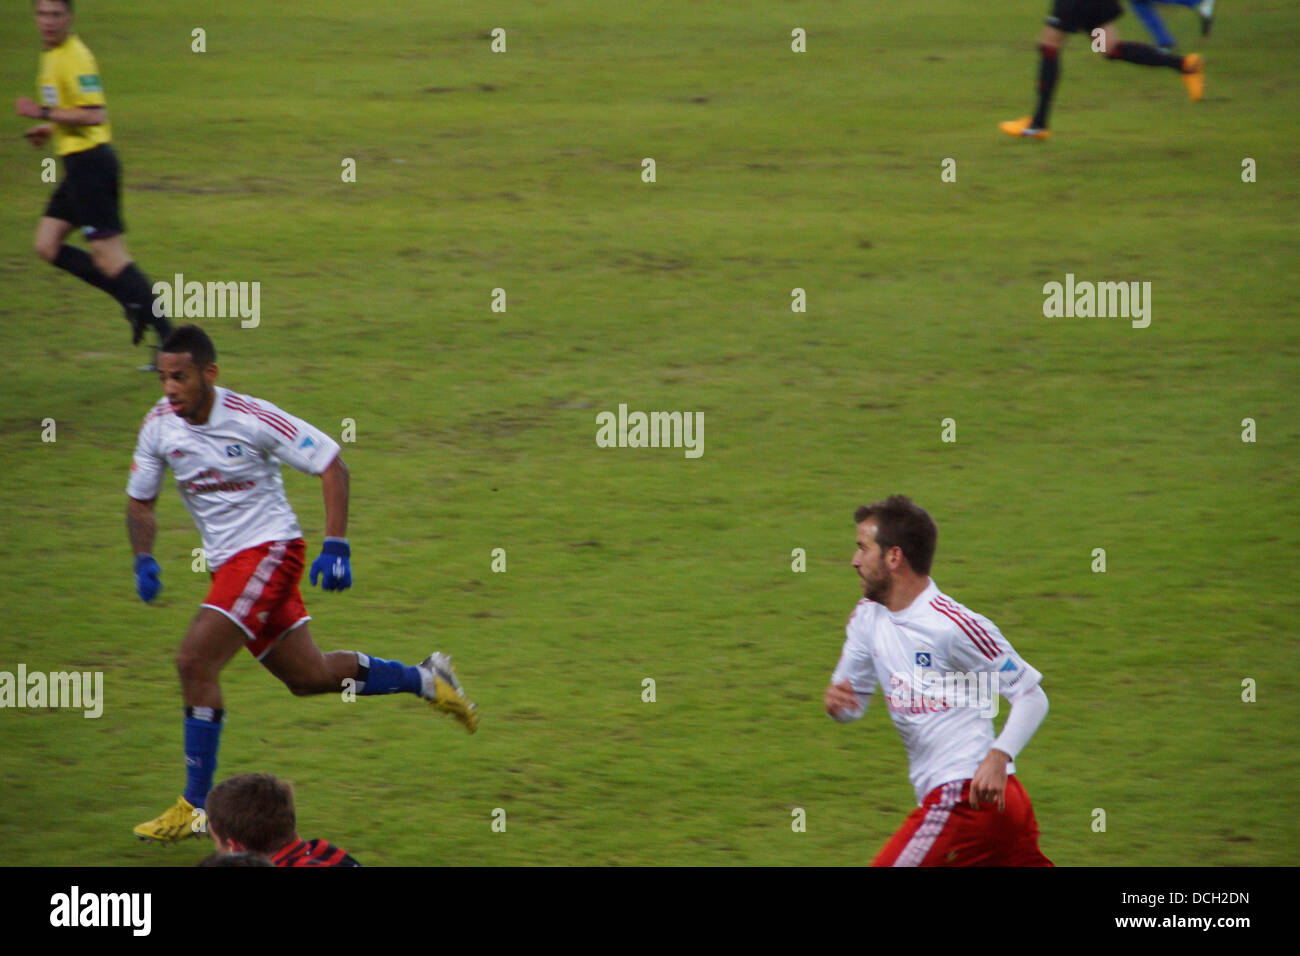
[(228, 471), (942, 667)]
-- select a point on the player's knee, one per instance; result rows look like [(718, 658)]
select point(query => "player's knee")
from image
[(1049, 50), (46, 249), (191, 668)]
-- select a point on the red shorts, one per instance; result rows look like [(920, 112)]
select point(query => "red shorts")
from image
[(945, 831), (258, 590)]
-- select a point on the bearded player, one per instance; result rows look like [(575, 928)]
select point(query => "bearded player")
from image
[(905, 634), (225, 450)]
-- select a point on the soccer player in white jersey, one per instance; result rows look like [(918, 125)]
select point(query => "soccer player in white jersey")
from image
[(225, 450), (942, 667)]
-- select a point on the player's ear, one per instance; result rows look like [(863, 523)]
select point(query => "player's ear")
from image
[(210, 373)]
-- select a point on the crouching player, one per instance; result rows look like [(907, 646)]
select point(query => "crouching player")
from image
[(225, 450), (909, 636)]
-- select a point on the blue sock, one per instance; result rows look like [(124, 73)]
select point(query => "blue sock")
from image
[(378, 676), (1146, 12), (202, 734)]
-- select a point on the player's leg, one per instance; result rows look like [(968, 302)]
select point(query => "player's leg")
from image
[(209, 644), (305, 670), (1049, 71), (94, 184), (48, 242), (1020, 839), (1191, 66)]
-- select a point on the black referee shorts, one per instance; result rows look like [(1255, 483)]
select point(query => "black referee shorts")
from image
[(1073, 16), (89, 195)]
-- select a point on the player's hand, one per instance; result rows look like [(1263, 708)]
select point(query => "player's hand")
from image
[(26, 106), (990, 781), (840, 697), (37, 135), (333, 566), (147, 574)]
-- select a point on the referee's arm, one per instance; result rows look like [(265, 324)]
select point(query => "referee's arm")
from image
[(72, 116)]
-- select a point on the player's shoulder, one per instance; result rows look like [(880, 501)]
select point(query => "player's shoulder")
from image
[(860, 619), (257, 410), (960, 622), (158, 413)]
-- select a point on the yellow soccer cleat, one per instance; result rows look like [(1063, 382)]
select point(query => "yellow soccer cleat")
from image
[(1194, 76), (443, 691), (1022, 127), (176, 823)]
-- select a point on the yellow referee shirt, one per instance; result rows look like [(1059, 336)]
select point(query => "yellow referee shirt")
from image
[(69, 78)]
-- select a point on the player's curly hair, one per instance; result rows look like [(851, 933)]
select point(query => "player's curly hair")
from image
[(192, 339), (255, 809), (902, 523)]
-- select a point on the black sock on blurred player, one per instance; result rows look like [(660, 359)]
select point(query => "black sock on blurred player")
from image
[(1147, 55), (80, 264), (1049, 68), (132, 288)]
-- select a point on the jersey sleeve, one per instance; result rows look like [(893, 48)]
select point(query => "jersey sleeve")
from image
[(856, 666), (979, 647), (147, 465), (295, 442), (81, 84)]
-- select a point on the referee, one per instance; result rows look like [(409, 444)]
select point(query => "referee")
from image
[(73, 108)]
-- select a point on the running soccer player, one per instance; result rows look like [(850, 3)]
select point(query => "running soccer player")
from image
[(1096, 18), (944, 666), (73, 112), (225, 450)]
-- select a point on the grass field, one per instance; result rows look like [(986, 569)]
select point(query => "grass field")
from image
[(475, 429)]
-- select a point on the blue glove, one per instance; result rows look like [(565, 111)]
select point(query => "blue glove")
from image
[(333, 565), (147, 584)]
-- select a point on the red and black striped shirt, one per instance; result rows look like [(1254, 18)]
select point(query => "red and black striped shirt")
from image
[(312, 853)]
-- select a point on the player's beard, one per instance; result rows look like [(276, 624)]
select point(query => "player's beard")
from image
[(877, 584)]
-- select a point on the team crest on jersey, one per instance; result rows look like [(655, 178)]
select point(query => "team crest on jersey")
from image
[(234, 451), (922, 658)]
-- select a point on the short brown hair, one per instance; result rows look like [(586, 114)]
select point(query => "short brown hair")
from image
[(902, 523), (254, 809)]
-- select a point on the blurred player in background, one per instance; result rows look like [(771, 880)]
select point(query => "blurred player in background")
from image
[(909, 636), (1146, 12), (1097, 19), (72, 111), (225, 450), (253, 813)]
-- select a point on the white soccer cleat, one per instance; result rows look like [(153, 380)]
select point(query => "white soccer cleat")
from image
[(443, 691)]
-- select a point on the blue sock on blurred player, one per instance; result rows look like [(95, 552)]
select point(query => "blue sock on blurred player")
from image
[(1146, 12), (202, 734), (378, 676)]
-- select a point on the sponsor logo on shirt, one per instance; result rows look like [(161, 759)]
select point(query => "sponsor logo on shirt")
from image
[(89, 83), (177, 453), (306, 444)]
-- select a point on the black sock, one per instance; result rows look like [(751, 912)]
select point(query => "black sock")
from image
[(80, 264), (1049, 68), (1147, 55), (134, 289)]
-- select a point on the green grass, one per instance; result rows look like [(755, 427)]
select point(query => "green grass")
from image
[(475, 429)]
